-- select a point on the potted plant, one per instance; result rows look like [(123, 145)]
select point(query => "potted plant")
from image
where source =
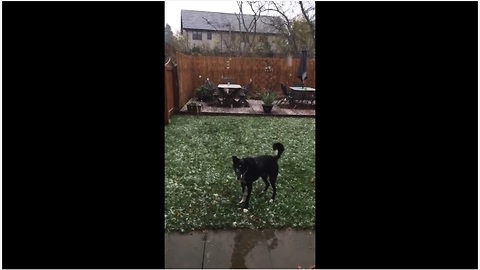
[(194, 107), (268, 98)]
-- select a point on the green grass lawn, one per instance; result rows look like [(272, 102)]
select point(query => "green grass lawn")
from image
[(201, 190)]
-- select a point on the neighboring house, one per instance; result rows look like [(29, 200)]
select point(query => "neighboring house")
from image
[(224, 31)]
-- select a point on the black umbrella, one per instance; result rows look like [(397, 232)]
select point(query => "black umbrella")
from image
[(302, 68)]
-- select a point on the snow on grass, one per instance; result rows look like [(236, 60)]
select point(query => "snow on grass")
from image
[(201, 191)]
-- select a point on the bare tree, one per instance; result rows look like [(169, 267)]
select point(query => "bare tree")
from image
[(180, 43), (292, 27), (298, 30), (248, 32), (284, 25), (306, 11)]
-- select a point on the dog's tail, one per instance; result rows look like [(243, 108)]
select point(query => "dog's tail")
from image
[(279, 148)]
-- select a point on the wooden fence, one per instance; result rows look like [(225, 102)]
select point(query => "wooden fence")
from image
[(169, 93), (194, 70)]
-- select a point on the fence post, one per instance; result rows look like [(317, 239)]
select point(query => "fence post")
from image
[(168, 92)]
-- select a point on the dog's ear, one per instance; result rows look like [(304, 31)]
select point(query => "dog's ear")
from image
[(235, 159)]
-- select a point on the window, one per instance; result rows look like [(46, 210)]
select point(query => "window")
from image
[(197, 35), (209, 35)]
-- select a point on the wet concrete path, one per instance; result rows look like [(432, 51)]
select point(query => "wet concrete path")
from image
[(241, 249)]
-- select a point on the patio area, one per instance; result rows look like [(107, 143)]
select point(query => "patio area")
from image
[(301, 110)]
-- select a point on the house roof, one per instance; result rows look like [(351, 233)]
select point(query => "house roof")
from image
[(217, 21)]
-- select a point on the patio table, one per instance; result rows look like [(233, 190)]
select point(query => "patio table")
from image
[(228, 93), (302, 93)]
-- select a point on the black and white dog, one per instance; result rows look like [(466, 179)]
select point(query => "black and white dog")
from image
[(249, 169)]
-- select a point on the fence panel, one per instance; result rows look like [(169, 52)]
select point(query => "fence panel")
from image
[(194, 70), (168, 93)]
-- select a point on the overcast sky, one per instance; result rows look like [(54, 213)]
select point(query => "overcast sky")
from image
[(172, 9)]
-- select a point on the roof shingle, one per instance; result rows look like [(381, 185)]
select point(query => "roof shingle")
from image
[(217, 21)]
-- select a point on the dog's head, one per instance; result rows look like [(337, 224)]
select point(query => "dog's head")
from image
[(241, 167)]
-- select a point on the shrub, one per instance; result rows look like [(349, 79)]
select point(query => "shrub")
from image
[(205, 92)]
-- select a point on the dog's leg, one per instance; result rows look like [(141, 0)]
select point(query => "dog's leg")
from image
[(273, 181), (243, 194), (267, 184), (249, 192)]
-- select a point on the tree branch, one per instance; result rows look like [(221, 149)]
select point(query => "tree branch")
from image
[(312, 27)]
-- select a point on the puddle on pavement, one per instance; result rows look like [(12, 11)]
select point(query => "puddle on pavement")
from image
[(244, 243), (270, 235)]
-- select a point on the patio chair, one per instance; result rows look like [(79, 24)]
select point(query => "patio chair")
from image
[(287, 96), (244, 93)]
